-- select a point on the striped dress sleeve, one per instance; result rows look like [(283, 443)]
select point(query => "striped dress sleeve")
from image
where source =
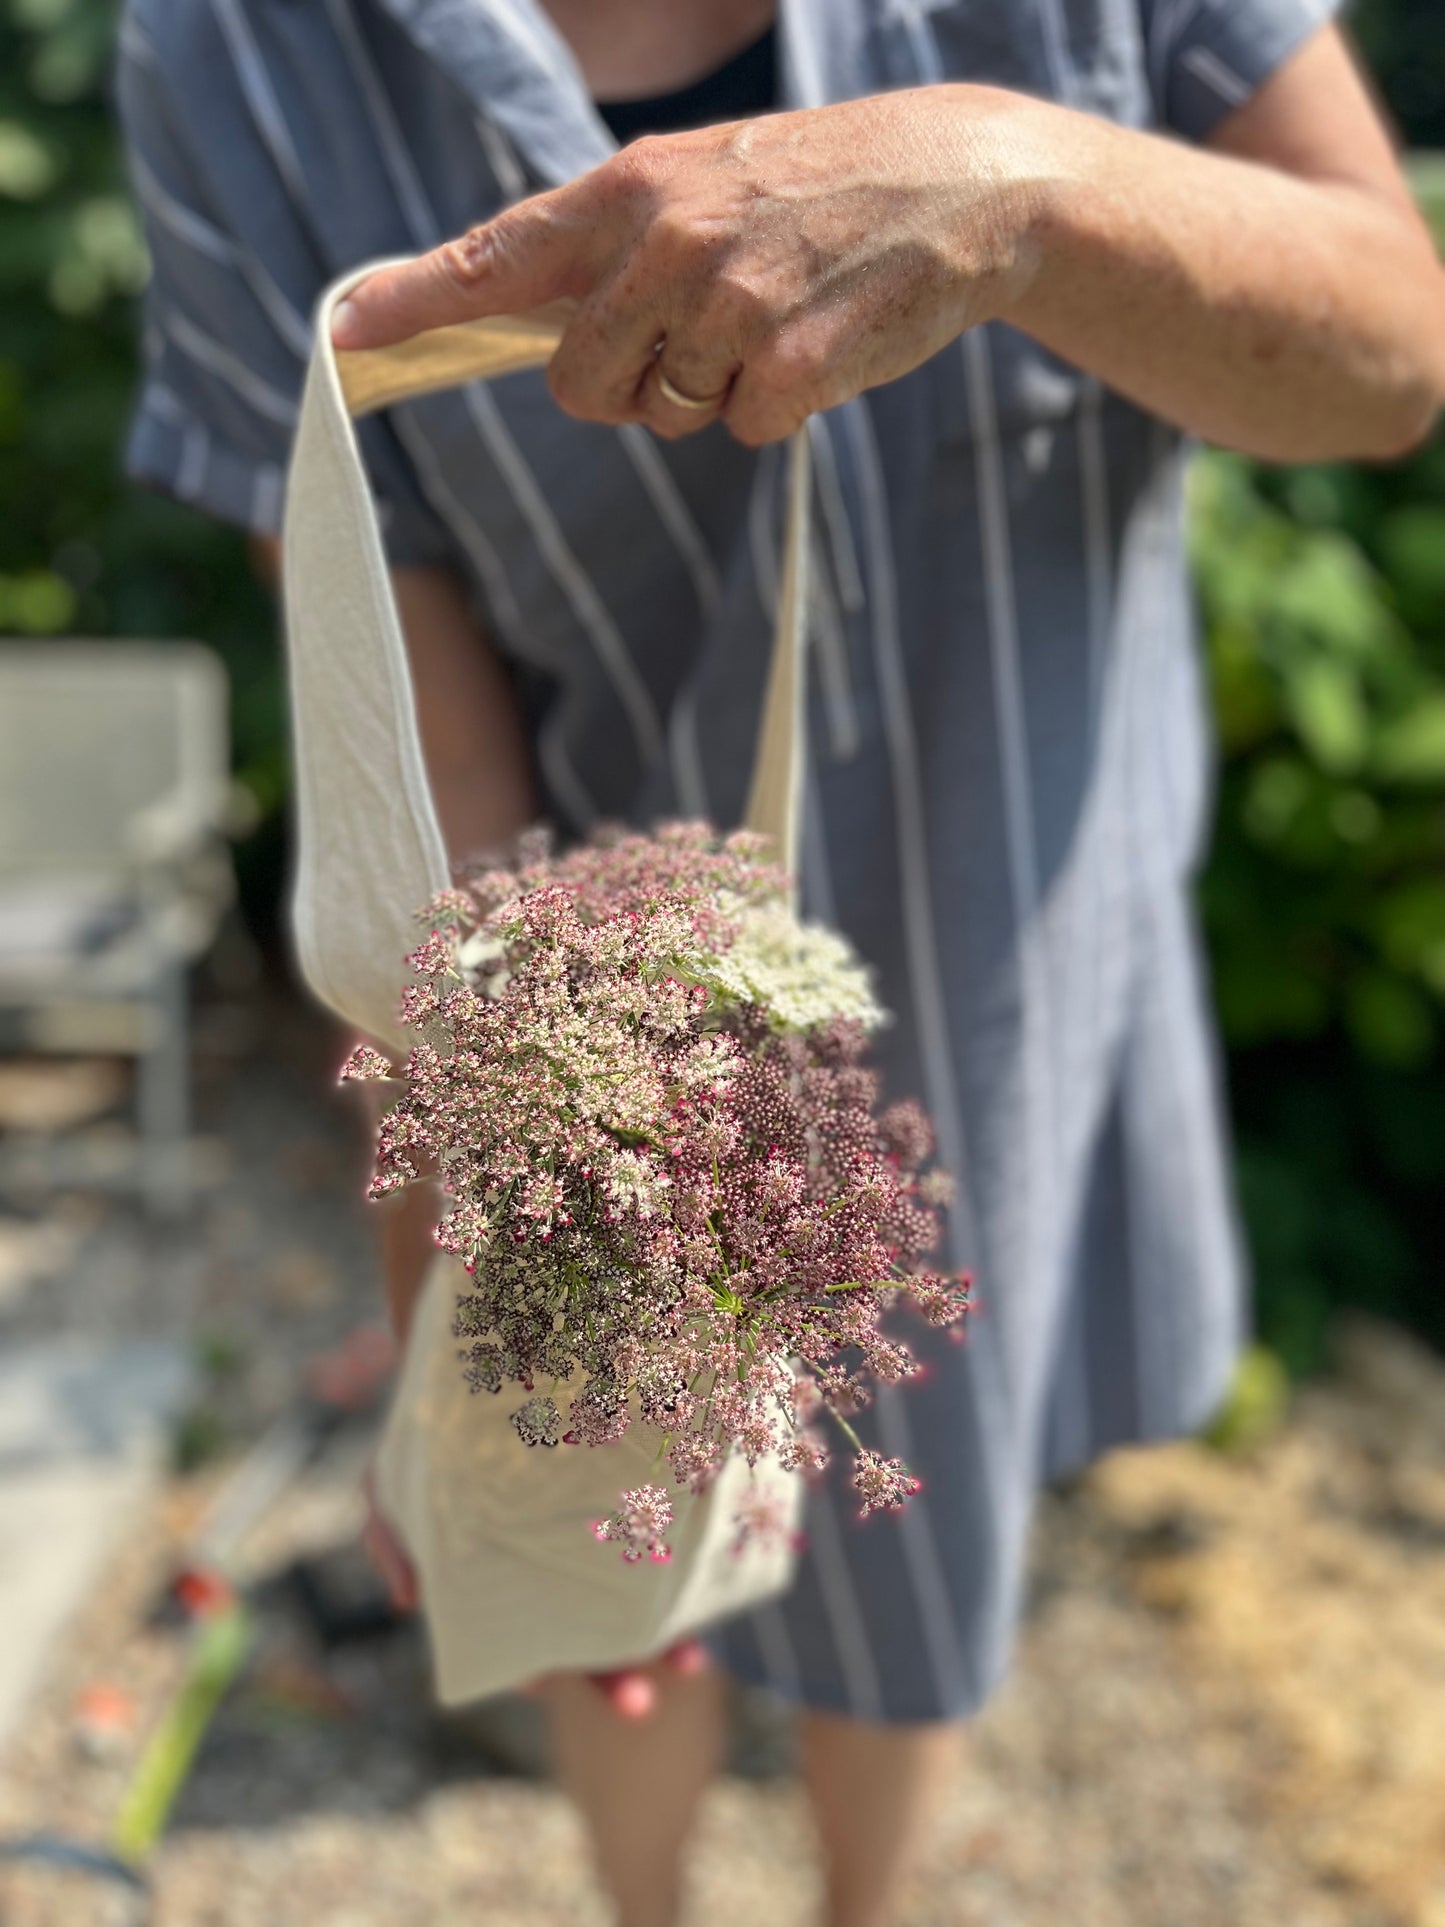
[(227, 317), (1206, 57)]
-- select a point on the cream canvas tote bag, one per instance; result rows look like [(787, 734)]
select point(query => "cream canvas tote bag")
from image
[(513, 1583)]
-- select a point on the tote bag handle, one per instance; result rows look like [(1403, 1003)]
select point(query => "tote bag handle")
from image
[(370, 849)]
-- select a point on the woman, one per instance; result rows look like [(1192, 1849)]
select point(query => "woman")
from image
[(1004, 257)]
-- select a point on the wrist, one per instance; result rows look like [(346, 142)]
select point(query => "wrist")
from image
[(1023, 171)]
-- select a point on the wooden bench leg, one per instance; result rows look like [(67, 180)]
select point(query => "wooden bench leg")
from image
[(163, 1100)]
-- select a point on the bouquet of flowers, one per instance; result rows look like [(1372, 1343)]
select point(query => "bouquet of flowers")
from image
[(641, 1082)]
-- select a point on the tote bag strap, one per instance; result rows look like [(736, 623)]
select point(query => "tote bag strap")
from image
[(369, 845)]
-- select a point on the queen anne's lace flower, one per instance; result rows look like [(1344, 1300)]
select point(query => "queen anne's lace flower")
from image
[(364, 1065), (882, 1484), (639, 1525), (641, 1082), (762, 1518), (538, 1422), (799, 973)]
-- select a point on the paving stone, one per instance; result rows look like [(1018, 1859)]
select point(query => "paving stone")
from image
[(84, 1429)]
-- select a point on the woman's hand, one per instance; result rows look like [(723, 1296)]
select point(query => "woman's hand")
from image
[(763, 269), (631, 1691), (1279, 295), (387, 1553)]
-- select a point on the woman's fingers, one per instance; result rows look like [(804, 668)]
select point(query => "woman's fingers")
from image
[(392, 1564), (541, 250), (664, 329), (654, 337), (616, 366), (387, 1554), (711, 324), (769, 402), (632, 1691), (809, 363), (603, 358), (648, 344), (688, 1658), (686, 386)]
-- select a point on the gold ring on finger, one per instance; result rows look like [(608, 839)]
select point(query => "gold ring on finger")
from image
[(680, 400)]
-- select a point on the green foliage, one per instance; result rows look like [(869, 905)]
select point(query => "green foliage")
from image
[(1325, 604), (1255, 1407), (1324, 592), (1426, 172), (1403, 42)]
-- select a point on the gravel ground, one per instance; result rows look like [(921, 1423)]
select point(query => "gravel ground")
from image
[(1228, 1706)]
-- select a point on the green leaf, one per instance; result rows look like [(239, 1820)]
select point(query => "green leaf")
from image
[(1246, 695), (1255, 1406), (37, 603), (1411, 546), (1425, 172), (1355, 816), (28, 168), (1390, 1019), (1275, 793), (1328, 710), (1409, 922), (1412, 748), (1323, 495), (1262, 993), (1329, 592)]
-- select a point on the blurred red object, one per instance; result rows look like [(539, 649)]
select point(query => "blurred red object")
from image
[(103, 1720), (202, 1592)]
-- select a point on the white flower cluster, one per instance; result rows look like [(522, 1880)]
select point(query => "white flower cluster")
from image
[(799, 973), (637, 1185)]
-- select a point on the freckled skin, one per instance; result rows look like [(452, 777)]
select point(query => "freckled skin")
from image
[(1278, 294)]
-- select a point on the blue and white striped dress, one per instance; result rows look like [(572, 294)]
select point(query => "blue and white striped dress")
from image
[(1010, 758)]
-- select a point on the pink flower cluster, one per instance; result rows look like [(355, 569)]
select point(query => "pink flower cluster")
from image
[(674, 1209), (639, 1525)]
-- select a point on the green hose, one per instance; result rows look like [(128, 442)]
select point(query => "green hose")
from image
[(222, 1642)]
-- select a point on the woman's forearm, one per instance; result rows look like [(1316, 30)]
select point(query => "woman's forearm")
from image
[(479, 769), (474, 741), (1294, 319), (1279, 295), (406, 1227), (478, 757)]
